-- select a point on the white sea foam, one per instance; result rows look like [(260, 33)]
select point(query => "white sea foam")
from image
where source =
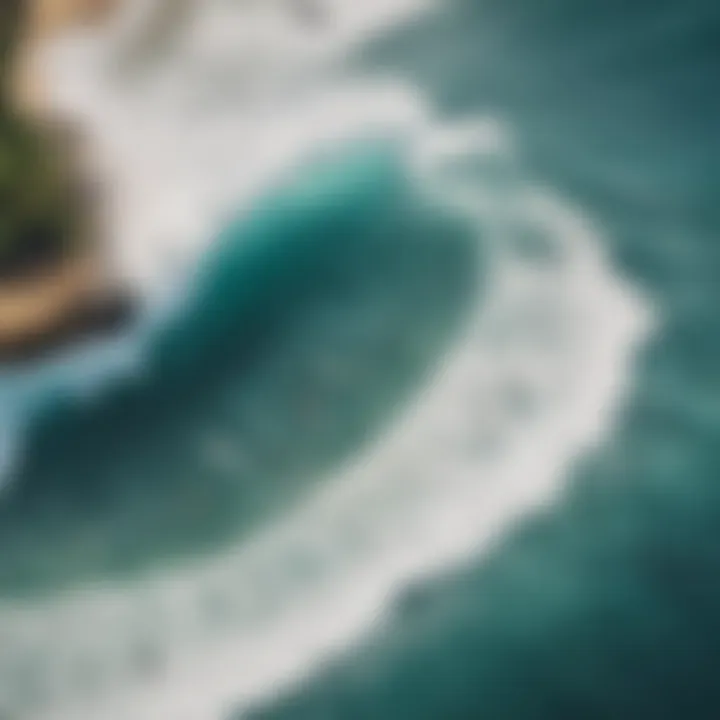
[(205, 127), (535, 381)]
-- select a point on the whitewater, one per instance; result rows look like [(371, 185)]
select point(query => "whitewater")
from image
[(239, 98)]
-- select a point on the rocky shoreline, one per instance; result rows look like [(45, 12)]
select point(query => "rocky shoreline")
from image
[(46, 312), (54, 286)]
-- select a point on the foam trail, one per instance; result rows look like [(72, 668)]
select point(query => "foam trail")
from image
[(205, 128)]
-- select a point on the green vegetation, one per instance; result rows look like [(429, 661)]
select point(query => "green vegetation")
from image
[(9, 16), (37, 211)]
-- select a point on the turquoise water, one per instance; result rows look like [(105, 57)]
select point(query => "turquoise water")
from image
[(306, 325), (317, 319)]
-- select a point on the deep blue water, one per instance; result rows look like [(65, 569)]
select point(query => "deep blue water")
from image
[(606, 606)]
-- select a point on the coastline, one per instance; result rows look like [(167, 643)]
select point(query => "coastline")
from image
[(49, 310), (57, 301)]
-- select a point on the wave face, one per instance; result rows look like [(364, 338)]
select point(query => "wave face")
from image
[(310, 319), (375, 340)]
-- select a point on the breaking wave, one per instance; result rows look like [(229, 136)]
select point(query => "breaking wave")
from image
[(531, 376)]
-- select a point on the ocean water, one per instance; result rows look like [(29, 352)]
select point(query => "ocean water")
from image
[(419, 419)]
